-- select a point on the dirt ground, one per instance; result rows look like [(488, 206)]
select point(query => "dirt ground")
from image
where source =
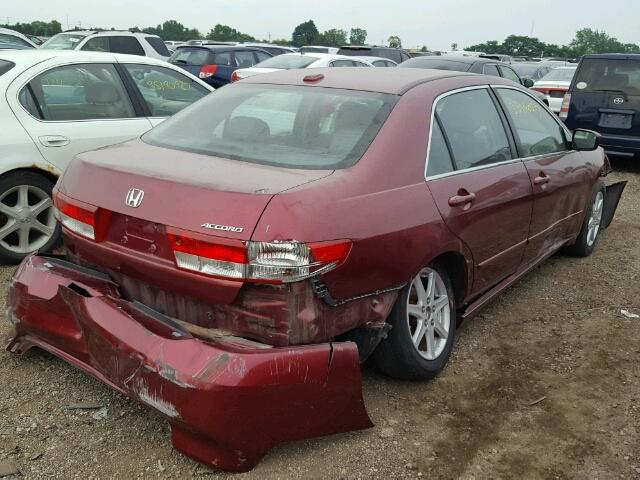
[(544, 383)]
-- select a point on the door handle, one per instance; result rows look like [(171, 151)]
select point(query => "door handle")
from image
[(54, 140), (541, 179), (462, 199)]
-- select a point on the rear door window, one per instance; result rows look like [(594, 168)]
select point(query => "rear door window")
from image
[(129, 45), (537, 132), (245, 59), (165, 91), (78, 92), (509, 74), (159, 46), (439, 161), (13, 40), (609, 76), (342, 63), (491, 70), (474, 129), (224, 58), (261, 56)]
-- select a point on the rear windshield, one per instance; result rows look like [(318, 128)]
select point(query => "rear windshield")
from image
[(356, 52), (281, 125), (63, 41), (288, 62), (190, 56), (158, 45), (559, 75), (601, 75), (5, 66), (421, 62)]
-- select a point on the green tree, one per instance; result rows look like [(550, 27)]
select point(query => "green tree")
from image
[(596, 41), (174, 30), (454, 47), (224, 33), (424, 49), (522, 45), (334, 38), (305, 34), (38, 28), (394, 41), (492, 46), (358, 36)]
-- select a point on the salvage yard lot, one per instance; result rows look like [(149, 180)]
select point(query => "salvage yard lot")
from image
[(544, 383)]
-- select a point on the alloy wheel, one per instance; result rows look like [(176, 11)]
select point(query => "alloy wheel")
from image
[(429, 314), (27, 219), (595, 219)]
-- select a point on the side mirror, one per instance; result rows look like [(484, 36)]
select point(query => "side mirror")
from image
[(527, 82), (585, 140)]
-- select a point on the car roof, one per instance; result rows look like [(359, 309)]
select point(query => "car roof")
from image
[(37, 55), (221, 48), (382, 80), (613, 56)]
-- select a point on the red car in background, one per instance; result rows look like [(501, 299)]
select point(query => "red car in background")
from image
[(234, 266)]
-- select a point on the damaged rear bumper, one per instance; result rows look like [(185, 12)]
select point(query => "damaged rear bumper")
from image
[(228, 401)]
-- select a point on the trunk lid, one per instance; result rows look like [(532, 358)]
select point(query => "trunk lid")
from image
[(182, 190)]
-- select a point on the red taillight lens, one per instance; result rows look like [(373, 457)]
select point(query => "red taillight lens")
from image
[(234, 77), (564, 109), (262, 262), (82, 218), (208, 71)]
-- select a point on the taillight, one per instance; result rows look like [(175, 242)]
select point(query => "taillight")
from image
[(82, 218), (234, 77), (208, 71), (261, 262), (544, 91), (564, 109)]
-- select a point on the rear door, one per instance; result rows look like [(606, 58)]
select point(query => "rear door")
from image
[(481, 189), (557, 173), (74, 108), (605, 97)]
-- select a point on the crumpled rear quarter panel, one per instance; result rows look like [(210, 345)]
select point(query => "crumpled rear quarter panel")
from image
[(227, 403)]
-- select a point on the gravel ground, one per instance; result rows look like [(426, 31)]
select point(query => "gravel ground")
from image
[(544, 383)]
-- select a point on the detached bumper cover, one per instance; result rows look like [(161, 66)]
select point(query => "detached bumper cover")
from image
[(228, 402)]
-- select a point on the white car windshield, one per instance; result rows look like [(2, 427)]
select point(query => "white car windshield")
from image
[(63, 41)]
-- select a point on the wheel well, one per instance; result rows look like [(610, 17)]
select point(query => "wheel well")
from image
[(48, 175), (456, 267)]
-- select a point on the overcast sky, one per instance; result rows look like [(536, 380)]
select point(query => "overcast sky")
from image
[(435, 23)]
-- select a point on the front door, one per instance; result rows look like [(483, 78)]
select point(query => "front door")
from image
[(74, 108), (557, 173), (481, 190)]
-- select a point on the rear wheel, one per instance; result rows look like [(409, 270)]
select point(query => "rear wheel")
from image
[(588, 237), (27, 221), (422, 328)]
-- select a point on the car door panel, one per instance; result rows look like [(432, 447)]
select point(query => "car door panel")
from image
[(486, 200), (61, 139), (560, 187), (495, 224)]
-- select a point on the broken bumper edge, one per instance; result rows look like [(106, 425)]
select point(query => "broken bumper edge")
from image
[(227, 402)]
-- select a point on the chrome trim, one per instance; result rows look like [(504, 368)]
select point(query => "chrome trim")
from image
[(473, 169)]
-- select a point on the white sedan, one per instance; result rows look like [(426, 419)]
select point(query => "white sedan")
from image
[(554, 85), (56, 104), (290, 61)]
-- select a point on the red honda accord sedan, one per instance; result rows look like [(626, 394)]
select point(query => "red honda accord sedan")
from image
[(234, 266)]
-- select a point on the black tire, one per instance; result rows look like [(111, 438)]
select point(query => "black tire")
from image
[(8, 182), (582, 247), (396, 356)]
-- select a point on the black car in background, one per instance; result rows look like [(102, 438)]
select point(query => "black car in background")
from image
[(215, 64), (605, 96), (396, 54)]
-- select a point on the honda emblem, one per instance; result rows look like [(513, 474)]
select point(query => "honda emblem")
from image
[(134, 197)]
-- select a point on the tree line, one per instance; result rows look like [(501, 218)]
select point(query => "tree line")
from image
[(585, 41)]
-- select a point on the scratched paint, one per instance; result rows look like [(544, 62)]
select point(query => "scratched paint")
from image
[(153, 400)]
